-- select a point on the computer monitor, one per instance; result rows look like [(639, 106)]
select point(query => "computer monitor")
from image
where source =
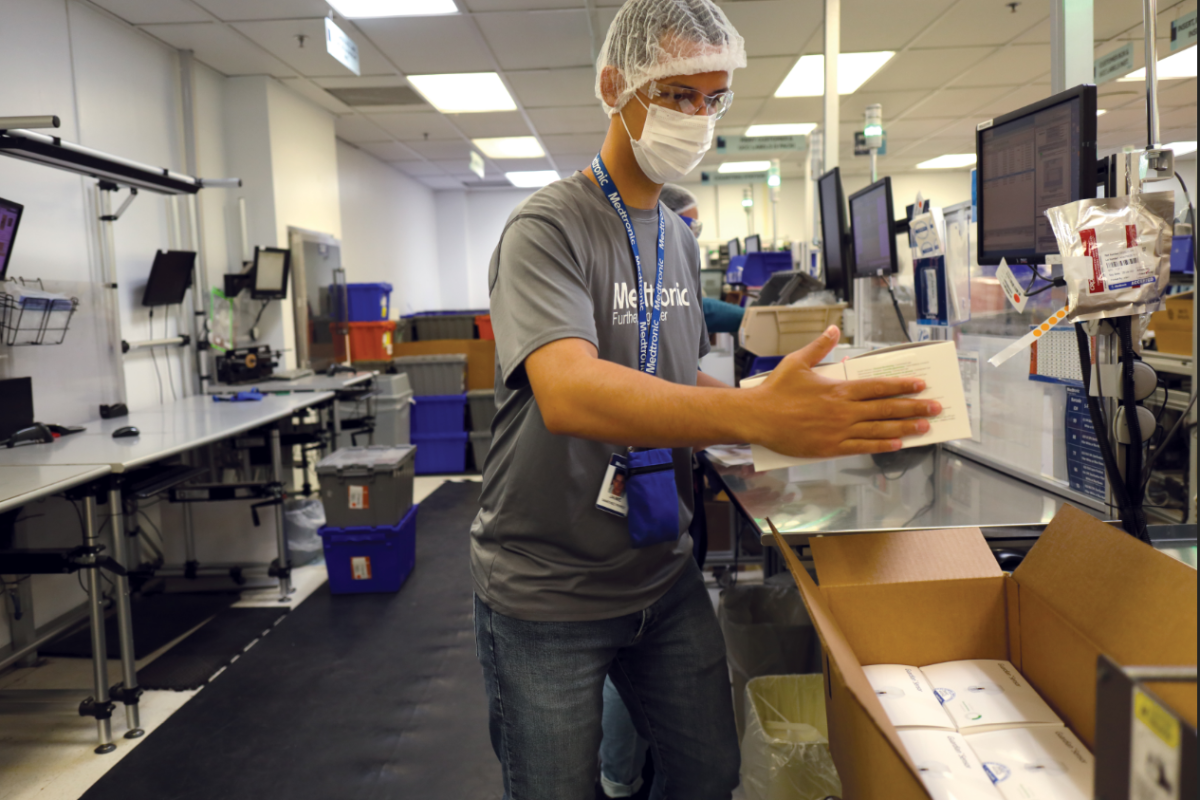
[(753, 244), (271, 265), (10, 219), (16, 406), (1035, 158), (734, 247), (170, 278), (832, 202), (873, 230)]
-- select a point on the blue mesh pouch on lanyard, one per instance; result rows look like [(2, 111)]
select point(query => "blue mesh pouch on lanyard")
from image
[(653, 498)]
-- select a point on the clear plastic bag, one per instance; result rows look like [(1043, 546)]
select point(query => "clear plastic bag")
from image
[(785, 751), (302, 518)]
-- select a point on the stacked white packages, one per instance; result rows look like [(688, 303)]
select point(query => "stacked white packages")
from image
[(1036, 763), (977, 730), (948, 767)]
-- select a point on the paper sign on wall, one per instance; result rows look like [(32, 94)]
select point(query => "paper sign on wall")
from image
[(341, 46)]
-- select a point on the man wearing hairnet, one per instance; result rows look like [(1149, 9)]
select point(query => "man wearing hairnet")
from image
[(595, 305)]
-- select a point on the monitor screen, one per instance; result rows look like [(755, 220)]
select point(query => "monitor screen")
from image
[(833, 233), (1037, 157), (753, 243), (170, 278), (735, 248), (873, 226), (10, 218), (270, 273)]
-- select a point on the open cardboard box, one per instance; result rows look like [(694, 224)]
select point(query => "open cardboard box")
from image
[(923, 597)]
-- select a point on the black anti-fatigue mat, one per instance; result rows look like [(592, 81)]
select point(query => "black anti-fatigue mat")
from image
[(222, 640), (157, 620), (356, 697)]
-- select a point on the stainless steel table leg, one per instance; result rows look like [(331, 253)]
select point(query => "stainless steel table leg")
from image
[(99, 700), (285, 580), (129, 692)]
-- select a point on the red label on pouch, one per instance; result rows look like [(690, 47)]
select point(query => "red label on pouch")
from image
[(1088, 237)]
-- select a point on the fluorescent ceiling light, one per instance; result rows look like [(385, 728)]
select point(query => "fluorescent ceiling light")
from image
[(1180, 65), (368, 9), (1181, 148), (744, 166), (1100, 112), (954, 161), (510, 147), (782, 129), (464, 92), (807, 78), (532, 179)]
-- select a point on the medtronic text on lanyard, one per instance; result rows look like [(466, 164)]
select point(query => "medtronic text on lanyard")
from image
[(641, 486)]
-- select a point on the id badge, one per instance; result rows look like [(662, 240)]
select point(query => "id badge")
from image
[(613, 499)]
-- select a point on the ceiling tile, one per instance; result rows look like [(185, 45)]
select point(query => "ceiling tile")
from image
[(1011, 101), (579, 119), (492, 123), (742, 113), (573, 143), (221, 48), (787, 109), (775, 27), (869, 25), (1039, 35), (762, 76), (282, 39), (389, 151), (428, 45), (446, 150), (521, 164), (442, 183), (1175, 93), (907, 130), (264, 9), (953, 102), (542, 88), (419, 169), (306, 88), (1183, 117), (356, 129), (458, 167), (519, 5), (1123, 119), (538, 39), (894, 103), (985, 22), (416, 125), (1009, 67), (923, 69), (1114, 16), (140, 12)]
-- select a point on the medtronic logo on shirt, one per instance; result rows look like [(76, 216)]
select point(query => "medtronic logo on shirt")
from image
[(625, 301)]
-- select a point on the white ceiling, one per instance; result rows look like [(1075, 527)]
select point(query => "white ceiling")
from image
[(958, 62)]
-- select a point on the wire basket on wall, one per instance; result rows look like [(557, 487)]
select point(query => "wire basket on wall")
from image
[(31, 315)]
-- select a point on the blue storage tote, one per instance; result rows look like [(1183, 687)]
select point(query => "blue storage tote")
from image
[(376, 559), (439, 413), (755, 269), (762, 364), (440, 453), (368, 302)]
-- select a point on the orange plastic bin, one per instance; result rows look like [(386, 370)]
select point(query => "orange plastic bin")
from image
[(484, 323), (369, 341)]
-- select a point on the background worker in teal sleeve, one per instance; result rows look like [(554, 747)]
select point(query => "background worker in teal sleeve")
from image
[(718, 316)]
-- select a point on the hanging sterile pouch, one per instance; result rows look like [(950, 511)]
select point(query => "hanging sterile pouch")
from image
[(653, 498)]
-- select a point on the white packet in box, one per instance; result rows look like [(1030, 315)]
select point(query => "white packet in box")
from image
[(988, 694), (907, 697), (1036, 763), (949, 768)]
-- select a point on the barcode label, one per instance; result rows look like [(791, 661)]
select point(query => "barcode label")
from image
[(360, 497), (1125, 267), (360, 568)]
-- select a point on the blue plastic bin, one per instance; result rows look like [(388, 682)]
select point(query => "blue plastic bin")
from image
[(755, 269), (378, 559), (368, 302), (439, 413), (440, 453), (764, 364)]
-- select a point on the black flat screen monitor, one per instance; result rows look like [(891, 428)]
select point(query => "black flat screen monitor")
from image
[(873, 230), (271, 265), (16, 406), (170, 278), (1035, 158), (753, 244), (10, 219), (834, 236), (735, 248)]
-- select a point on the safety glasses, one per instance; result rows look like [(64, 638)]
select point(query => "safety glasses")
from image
[(688, 101)]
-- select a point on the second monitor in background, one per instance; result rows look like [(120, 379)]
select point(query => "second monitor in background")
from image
[(873, 230), (835, 237), (271, 265), (753, 244), (10, 220), (734, 247)]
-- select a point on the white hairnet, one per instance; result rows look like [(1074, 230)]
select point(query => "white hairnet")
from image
[(677, 198), (653, 39)]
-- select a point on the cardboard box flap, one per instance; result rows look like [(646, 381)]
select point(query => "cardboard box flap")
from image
[(1136, 604), (903, 557), (834, 641)]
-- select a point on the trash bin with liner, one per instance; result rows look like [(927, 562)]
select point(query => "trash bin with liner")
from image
[(785, 750)]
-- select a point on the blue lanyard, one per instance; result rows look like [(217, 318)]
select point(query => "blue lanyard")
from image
[(647, 330)]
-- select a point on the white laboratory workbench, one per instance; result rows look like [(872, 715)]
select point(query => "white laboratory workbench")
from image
[(21, 485), (311, 383)]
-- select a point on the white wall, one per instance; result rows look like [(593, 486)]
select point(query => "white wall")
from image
[(469, 227), (387, 224)]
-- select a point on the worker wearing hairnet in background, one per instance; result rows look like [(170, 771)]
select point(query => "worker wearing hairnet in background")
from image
[(594, 290), (719, 316)]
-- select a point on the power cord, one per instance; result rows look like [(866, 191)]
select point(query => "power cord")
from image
[(154, 358), (170, 371), (1192, 209), (899, 314), (258, 317)]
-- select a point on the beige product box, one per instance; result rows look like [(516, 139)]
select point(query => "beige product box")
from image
[(907, 697), (948, 766), (1036, 763), (779, 330), (927, 597), (988, 694)]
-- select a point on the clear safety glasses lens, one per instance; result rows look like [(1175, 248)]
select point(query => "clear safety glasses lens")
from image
[(689, 101)]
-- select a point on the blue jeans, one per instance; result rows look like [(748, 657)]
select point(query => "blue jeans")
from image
[(545, 681), (622, 751)]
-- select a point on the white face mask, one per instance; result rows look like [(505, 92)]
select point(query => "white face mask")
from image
[(672, 142)]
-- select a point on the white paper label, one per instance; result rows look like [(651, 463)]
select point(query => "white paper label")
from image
[(360, 568), (360, 497), (1153, 751), (1124, 267), (1011, 286), (927, 239), (968, 367)]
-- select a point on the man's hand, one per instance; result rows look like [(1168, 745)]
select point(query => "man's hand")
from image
[(805, 415)]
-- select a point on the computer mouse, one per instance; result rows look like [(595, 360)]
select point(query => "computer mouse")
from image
[(128, 430)]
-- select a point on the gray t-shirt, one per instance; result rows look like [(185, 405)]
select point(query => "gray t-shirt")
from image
[(540, 549)]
